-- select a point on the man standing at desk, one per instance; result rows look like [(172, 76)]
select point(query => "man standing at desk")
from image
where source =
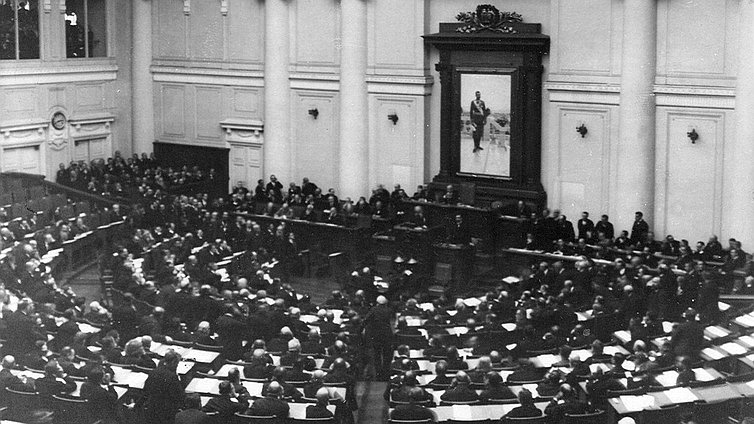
[(479, 113), (458, 233)]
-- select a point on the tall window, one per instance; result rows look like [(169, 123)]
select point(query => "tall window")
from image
[(85, 28), (19, 29)]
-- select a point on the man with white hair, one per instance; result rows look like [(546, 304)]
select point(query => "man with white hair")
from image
[(378, 334), (7, 379)]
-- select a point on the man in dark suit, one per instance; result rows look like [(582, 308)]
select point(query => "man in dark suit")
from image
[(163, 392), (23, 331), (527, 408), (7, 379), (585, 224), (478, 112), (418, 218), (378, 333), (640, 229), (606, 227), (460, 390), (226, 404), (55, 382), (412, 411), (319, 410), (688, 338), (101, 396), (270, 405), (458, 233), (231, 333), (192, 414), (565, 402)]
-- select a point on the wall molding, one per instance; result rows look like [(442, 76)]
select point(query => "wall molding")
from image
[(695, 97), (605, 94), (58, 73)]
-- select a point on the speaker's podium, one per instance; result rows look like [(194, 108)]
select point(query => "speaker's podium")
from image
[(416, 242), (454, 265)]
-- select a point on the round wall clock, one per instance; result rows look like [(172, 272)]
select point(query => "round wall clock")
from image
[(58, 120)]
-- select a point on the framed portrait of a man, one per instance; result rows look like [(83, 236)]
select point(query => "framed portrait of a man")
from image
[(485, 123)]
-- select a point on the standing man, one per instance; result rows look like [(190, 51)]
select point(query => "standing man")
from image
[(378, 332), (640, 229), (479, 113), (163, 392)]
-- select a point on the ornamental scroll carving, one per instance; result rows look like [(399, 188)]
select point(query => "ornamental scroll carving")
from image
[(488, 18)]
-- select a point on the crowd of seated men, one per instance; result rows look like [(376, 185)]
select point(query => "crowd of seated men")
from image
[(136, 176), (308, 202), (185, 293), (468, 366), (553, 232)]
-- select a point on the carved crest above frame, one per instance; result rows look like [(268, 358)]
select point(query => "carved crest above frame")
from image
[(487, 17)]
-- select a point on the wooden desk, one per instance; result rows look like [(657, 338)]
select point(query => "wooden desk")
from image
[(495, 231), (475, 413), (327, 238)]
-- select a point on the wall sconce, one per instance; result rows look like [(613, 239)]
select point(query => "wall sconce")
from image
[(693, 135), (314, 112), (392, 116), (581, 129)]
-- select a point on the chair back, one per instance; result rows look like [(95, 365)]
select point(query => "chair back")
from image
[(71, 411), (20, 404), (597, 417), (210, 348), (712, 412), (523, 420), (663, 415), (311, 420), (627, 392), (240, 418)]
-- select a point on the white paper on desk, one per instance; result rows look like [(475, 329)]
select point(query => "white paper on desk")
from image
[(413, 322), (723, 306), (681, 395), (612, 350), (548, 359), (750, 384), (509, 326), (703, 375), (457, 331), (472, 302), (745, 320), (712, 353), (254, 387), (583, 316), (86, 328), (427, 306), (511, 280), (462, 412), (594, 367), (667, 327), (532, 388), (733, 348), (452, 312), (184, 367), (667, 379), (623, 335), (120, 391), (747, 340), (716, 331), (135, 380), (309, 319), (637, 403)]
